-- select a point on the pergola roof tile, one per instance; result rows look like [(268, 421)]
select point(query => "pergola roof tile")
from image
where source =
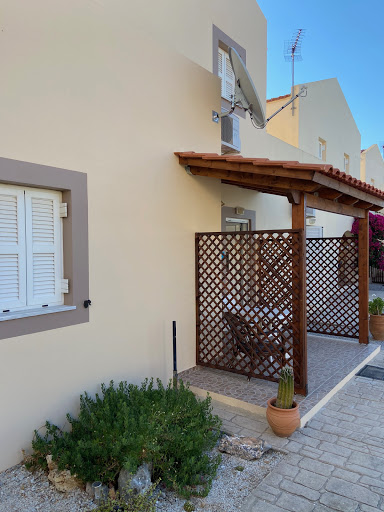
[(325, 169)]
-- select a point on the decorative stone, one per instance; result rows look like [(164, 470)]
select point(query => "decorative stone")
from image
[(139, 482), (89, 489), (62, 480), (248, 448)]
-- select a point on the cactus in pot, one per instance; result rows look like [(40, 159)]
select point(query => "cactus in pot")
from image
[(282, 412), (285, 392)]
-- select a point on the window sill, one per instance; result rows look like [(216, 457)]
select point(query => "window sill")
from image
[(34, 312)]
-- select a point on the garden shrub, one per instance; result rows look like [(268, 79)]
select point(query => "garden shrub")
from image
[(127, 425), (142, 502)]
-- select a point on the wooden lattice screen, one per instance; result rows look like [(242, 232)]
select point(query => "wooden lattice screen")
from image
[(248, 292), (333, 286)]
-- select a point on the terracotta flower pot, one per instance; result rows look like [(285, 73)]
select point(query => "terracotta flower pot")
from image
[(283, 421), (376, 326)]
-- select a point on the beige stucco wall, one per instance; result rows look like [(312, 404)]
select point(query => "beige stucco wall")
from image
[(372, 167), (284, 125), (76, 93)]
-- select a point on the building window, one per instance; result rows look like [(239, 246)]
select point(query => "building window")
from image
[(346, 162), (226, 74), (38, 247), (31, 249), (221, 66), (322, 150)]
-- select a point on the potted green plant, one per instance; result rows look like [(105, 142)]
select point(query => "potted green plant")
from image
[(282, 411), (376, 317)]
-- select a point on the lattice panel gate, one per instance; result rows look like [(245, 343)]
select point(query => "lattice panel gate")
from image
[(248, 292), (333, 286)]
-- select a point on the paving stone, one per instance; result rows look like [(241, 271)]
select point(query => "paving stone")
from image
[(261, 506), (273, 480), (224, 415), (287, 470), (333, 429), (356, 492), (294, 458), (364, 429), (316, 466), (308, 451), (367, 461), (295, 503), (251, 424), (367, 508), (299, 437), (377, 432), (270, 489), (322, 508), (335, 448), (299, 490), (337, 502), (348, 476), (262, 495), (361, 470), (318, 434), (315, 424), (310, 479), (337, 415), (332, 458)]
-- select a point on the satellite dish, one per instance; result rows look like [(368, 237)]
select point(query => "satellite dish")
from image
[(245, 94), (245, 91)]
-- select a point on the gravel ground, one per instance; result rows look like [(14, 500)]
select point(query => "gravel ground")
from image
[(23, 491), (230, 487)]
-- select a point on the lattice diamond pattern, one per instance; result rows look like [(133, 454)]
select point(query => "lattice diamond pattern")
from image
[(333, 286), (248, 302)]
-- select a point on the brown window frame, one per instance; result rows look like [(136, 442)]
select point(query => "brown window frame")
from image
[(73, 186), (221, 40)]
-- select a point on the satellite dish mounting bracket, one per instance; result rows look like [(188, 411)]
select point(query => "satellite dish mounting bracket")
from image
[(246, 97)]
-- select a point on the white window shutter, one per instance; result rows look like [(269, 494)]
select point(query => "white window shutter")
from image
[(229, 79), (44, 247), (12, 248), (226, 75), (221, 64)]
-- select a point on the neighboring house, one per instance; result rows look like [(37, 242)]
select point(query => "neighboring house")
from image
[(321, 124), (372, 166), (95, 98)]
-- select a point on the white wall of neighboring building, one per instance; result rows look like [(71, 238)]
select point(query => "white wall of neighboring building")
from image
[(372, 167), (325, 114)]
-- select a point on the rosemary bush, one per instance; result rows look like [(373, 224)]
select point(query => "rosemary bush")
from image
[(127, 425)]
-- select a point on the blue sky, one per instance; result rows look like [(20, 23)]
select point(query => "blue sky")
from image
[(343, 39)]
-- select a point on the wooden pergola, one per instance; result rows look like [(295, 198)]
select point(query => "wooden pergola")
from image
[(319, 186)]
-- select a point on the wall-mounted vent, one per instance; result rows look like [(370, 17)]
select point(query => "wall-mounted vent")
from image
[(230, 134), (310, 212)]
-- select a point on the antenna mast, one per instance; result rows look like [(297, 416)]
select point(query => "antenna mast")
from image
[(292, 51)]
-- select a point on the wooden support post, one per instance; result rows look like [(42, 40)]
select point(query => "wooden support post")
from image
[(363, 278), (300, 302)]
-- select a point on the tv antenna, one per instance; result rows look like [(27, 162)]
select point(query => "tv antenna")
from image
[(245, 94), (292, 52)]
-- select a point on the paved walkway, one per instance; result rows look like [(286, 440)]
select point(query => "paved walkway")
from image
[(335, 463)]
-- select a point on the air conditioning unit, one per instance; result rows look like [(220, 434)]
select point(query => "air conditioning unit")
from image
[(230, 134), (310, 212)]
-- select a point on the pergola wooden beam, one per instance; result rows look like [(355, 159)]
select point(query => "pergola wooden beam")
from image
[(334, 207), (363, 278), (347, 189), (256, 181)]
